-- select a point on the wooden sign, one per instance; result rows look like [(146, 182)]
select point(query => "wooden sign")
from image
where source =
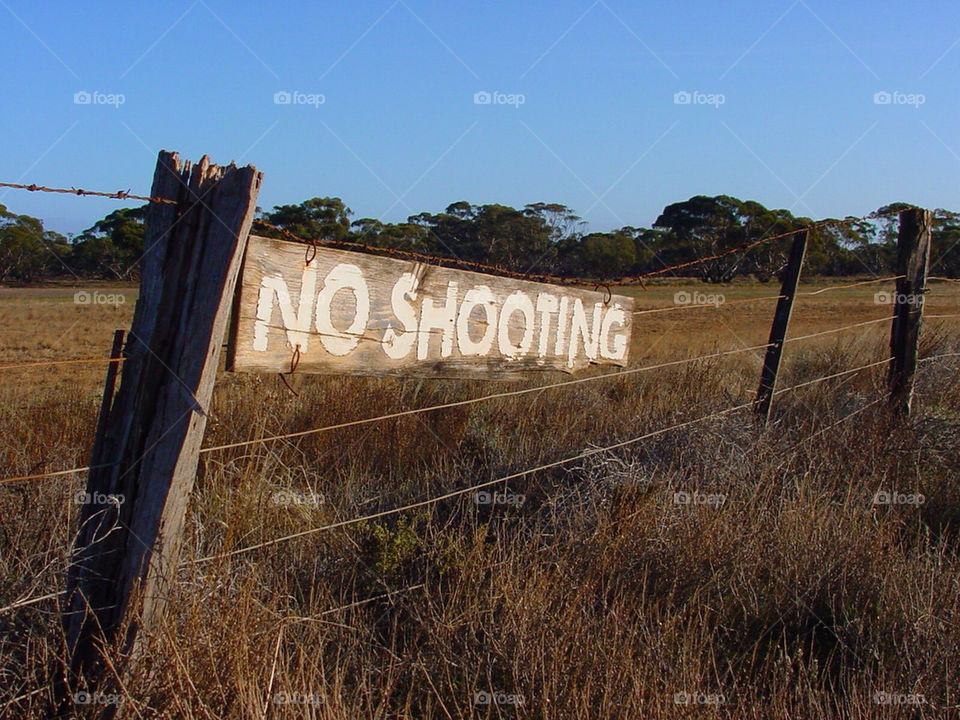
[(353, 313)]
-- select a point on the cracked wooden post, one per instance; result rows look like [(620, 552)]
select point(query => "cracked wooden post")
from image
[(913, 259), (127, 547)]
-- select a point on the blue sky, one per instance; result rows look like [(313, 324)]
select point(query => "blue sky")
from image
[(782, 102)]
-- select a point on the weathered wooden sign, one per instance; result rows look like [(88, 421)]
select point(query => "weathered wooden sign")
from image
[(358, 314)]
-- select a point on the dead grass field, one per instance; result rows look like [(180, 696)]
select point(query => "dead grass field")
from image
[(599, 596)]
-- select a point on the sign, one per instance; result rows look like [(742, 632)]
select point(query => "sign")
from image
[(353, 313)]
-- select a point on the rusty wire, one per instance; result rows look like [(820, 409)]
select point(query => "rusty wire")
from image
[(472, 264), (118, 195), (558, 279)]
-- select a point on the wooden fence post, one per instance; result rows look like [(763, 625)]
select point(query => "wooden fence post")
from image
[(913, 259), (781, 320), (109, 386), (127, 548)]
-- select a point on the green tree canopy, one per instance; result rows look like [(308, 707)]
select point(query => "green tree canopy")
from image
[(28, 252), (313, 219), (112, 247)]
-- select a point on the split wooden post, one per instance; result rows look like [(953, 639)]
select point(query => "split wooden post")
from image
[(913, 260), (142, 473), (781, 321), (109, 386)]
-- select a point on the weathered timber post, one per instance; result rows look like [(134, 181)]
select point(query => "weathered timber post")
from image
[(127, 548), (781, 321), (913, 259), (109, 386)]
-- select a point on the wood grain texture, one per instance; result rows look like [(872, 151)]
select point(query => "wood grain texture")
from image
[(353, 313), (126, 552)]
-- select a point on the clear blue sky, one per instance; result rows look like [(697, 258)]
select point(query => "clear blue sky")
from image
[(399, 131)]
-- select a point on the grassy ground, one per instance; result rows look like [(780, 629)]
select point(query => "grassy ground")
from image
[(718, 570)]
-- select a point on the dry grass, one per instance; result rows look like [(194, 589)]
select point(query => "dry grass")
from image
[(600, 596)]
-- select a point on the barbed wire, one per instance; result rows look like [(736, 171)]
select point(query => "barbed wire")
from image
[(117, 195), (750, 245), (483, 267), (560, 279)]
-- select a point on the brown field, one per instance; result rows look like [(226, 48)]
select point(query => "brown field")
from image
[(598, 596)]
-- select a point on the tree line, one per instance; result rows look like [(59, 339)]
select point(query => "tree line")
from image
[(539, 238)]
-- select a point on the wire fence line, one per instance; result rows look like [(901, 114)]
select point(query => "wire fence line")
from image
[(745, 247), (562, 279), (77, 361), (116, 195), (522, 473), (108, 360), (485, 267), (471, 401), (415, 411), (716, 305), (831, 288), (26, 602), (471, 488)]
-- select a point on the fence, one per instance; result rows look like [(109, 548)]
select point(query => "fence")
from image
[(174, 346)]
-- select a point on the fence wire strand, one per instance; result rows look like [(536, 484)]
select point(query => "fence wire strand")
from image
[(472, 488), (116, 195), (522, 473), (78, 361), (484, 398), (439, 260), (716, 306), (513, 476), (831, 288), (560, 279)]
